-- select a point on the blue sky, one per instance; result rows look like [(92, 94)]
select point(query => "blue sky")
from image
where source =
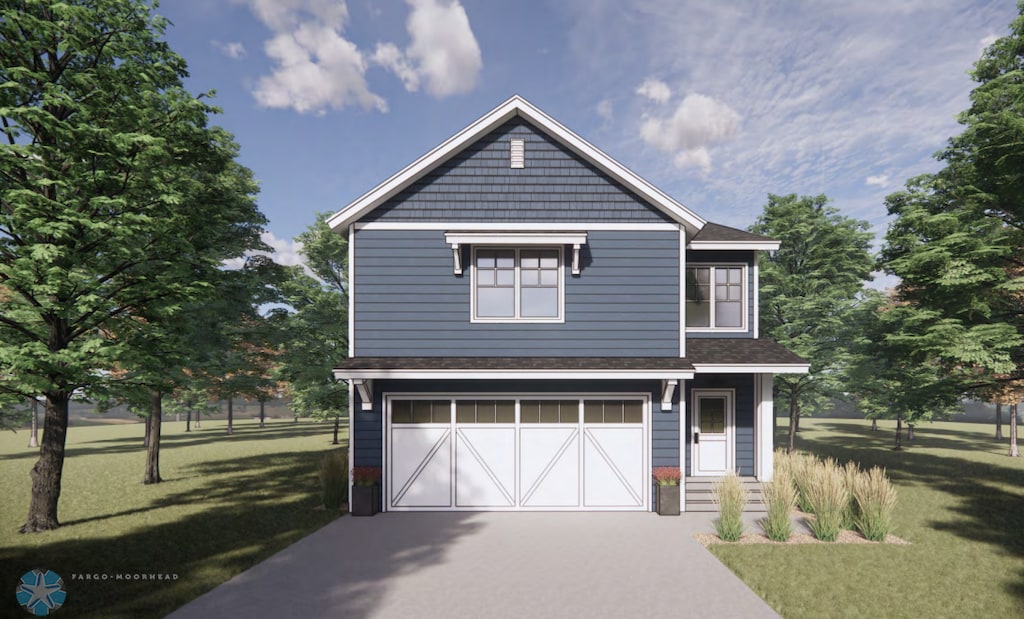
[(716, 103)]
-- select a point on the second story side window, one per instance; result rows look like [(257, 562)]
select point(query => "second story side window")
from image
[(716, 297), (517, 284)]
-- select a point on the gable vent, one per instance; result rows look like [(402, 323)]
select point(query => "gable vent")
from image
[(517, 153)]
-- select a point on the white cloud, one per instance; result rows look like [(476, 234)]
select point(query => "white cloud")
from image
[(698, 122), (284, 251), (987, 40), (315, 67), (655, 90), (605, 110), (880, 180), (443, 53), (233, 50)]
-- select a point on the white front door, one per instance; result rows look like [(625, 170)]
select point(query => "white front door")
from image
[(712, 432)]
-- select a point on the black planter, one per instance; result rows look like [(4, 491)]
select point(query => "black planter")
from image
[(365, 500), (667, 498)]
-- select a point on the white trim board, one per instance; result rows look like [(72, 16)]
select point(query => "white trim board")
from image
[(727, 245), (753, 368), (513, 226), (515, 106), (551, 374)]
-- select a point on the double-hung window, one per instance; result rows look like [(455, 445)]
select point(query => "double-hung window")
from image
[(716, 297), (517, 284)]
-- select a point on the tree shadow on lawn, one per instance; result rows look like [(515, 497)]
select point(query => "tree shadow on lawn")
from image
[(986, 511), (246, 521)]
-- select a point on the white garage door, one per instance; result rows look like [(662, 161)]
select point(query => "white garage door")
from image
[(542, 453)]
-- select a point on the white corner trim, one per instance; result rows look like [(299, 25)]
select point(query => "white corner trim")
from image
[(351, 291), (668, 390), (755, 298), (515, 106), (365, 388), (727, 245), (753, 368), (682, 292)]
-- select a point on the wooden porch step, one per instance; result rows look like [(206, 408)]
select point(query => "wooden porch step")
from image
[(700, 497)]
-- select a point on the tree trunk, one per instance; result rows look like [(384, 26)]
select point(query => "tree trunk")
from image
[(874, 425), (262, 415), (33, 438), (198, 417), (999, 422), (794, 416), (153, 425), (910, 431), (1014, 452), (798, 423), (145, 439), (46, 474), (188, 421), (231, 416), (337, 423), (899, 433)]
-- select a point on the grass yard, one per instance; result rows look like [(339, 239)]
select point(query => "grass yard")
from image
[(226, 503), (961, 507)]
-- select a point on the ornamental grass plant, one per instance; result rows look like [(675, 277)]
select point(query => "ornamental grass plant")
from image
[(826, 495), (333, 475), (876, 501), (779, 500), (731, 497), (851, 475)]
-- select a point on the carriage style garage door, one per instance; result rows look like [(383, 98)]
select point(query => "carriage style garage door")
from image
[(542, 453)]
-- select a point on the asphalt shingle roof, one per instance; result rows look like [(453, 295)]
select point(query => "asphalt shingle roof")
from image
[(717, 232)]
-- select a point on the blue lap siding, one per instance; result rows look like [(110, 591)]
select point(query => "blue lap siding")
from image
[(408, 301)]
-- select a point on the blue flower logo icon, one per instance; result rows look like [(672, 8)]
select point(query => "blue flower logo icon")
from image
[(41, 592)]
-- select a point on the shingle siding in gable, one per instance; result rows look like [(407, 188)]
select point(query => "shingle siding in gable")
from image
[(478, 185), (409, 303)]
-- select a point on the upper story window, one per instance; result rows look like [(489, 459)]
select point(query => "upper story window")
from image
[(517, 284), (716, 297)]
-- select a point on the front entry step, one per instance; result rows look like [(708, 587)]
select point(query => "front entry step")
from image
[(700, 498)]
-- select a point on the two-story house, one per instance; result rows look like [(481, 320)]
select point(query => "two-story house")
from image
[(534, 327)]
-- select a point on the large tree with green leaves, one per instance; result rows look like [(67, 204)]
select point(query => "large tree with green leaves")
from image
[(808, 289), (317, 325), (117, 202), (957, 240)]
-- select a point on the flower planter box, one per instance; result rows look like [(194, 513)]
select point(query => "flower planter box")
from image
[(667, 500), (365, 500)]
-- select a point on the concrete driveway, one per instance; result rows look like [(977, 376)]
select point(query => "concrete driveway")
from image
[(484, 565)]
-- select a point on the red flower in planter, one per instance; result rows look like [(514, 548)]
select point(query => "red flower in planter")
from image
[(667, 475), (366, 475)]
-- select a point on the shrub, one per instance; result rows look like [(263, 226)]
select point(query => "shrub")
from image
[(779, 499), (667, 475), (826, 494), (876, 501), (334, 478), (730, 497)]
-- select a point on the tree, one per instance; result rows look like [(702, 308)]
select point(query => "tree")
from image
[(886, 373), (957, 240), (317, 325), (808, 288), (111, 187)]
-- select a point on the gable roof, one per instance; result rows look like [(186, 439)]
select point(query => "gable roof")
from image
[(717, 236), (515, 106)]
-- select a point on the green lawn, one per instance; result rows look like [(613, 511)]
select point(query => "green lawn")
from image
[(226, 503), (961, 506)]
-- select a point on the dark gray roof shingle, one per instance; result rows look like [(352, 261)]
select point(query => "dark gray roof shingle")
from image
[(739, 351), (718, 232)]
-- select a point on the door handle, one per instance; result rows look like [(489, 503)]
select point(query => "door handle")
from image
[(696, 438)]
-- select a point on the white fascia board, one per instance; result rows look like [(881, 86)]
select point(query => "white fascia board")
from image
[(735, 245), (514, 226), (733, 368), (516, 238), (513, 374), (515, 106)]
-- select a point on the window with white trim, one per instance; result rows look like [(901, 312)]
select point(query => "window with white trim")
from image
[(716, 297), (517, 284)]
